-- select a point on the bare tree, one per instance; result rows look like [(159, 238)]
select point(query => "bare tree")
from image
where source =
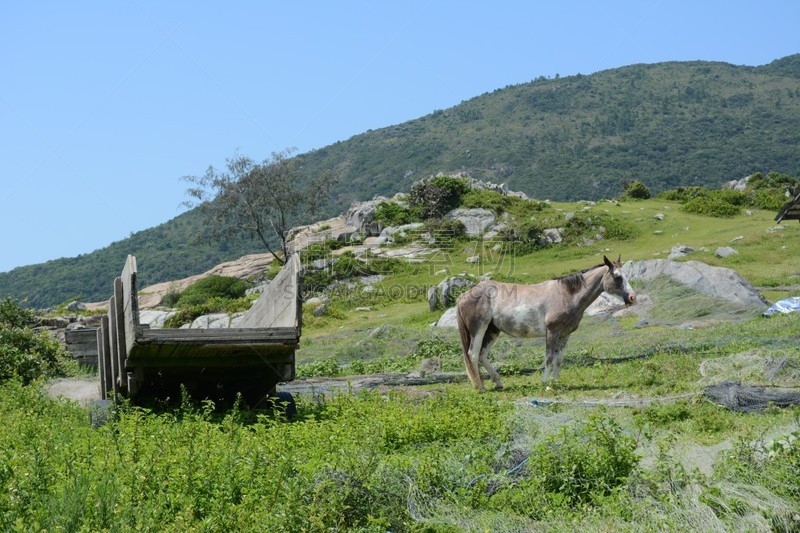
[(263, 199)]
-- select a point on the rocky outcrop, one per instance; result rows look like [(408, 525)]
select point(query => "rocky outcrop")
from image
[(717, 282), (476, 220)]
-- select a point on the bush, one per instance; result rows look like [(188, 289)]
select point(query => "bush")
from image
[(212, 287), (636, 190), (436, 196), (522, 238), (578, 466), (24, 353), (394, 214), (711, 205)]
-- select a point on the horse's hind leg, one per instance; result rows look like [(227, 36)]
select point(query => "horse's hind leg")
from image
[(488, 340), (473, 359)]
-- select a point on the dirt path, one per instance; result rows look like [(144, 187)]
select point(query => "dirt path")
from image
[(82, 390)]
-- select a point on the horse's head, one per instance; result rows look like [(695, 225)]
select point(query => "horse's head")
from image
[(615, 282)]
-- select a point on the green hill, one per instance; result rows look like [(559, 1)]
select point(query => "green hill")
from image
[(582, 137), (577, 137)]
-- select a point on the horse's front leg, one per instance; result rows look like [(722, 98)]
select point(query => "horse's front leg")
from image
[(558, 350), (550, 355)]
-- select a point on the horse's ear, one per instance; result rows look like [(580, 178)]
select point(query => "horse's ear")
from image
[(608, 263), (619, 259)]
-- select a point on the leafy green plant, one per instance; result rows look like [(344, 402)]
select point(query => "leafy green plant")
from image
[(212, 287), (395, 214), (711, 205), (24, 353), (435, 197), (635, 190)]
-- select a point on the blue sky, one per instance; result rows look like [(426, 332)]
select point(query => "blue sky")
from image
[(104, 106)]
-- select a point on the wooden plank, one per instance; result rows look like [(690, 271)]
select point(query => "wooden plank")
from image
[(118, 325), (82, 345), (130, 303), (222, 336), (103, 358), (278, 305), (113, 355)]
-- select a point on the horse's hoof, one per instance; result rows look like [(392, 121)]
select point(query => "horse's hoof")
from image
[(498, 387)]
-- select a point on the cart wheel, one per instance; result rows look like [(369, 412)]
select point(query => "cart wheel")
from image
[(284, 402)]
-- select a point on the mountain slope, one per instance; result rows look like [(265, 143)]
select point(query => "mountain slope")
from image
[(582, 137), (578, 137)]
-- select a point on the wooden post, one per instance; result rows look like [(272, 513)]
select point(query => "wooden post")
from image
[(118, 326), (107, 376), (113, 356)]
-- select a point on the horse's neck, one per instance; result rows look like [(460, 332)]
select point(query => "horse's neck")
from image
[(592, 288)]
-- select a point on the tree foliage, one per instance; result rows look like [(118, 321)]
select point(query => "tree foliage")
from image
[(26, 354), (265, 200)]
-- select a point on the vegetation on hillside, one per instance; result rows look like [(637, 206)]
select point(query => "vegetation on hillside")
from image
[(26, 354), (442, 457), (581, 137)]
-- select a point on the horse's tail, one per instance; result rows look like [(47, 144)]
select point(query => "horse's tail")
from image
[(466, 339)]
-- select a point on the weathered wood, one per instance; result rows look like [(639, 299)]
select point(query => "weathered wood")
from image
[(250, 359), (113, 350), (103, 358), (82, 345), (130, 303), (118, 326), (279, 305)]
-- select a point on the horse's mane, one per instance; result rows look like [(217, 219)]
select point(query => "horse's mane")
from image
[(575, 282)]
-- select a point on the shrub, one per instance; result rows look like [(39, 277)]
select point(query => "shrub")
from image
[(711, 205), (445, 231), (523, 238), (212, 287), (24, 353), (394, 214), (437, 196), (682, 194), (636, 190)]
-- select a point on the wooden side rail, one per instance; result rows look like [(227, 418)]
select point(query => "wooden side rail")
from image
[(257, 354)]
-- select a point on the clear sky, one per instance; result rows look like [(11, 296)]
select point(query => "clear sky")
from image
[(104, 106)]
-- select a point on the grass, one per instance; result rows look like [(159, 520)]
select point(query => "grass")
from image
[(442, 457)]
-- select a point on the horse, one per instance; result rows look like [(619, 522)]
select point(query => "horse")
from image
[(553, 309)]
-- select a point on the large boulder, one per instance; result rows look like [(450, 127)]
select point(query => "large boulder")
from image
[(361, 215), (717, 282), (475, 221)]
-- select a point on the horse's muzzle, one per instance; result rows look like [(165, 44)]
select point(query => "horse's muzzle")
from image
[(630, 298)]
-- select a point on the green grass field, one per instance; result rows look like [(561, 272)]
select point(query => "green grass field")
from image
[(442, 457)]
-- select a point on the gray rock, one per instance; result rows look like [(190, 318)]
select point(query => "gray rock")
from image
[(450, 288), (153, 318), (554, 235), (447, 320), (214, 320), (475, 220), (320, 310), (76, 306), (317, 300), (360, 214), (725, 251), (717, 282), (433, 298), (474, 259), (680, 250), (258, 289)]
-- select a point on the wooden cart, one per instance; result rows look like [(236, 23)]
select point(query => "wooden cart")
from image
[(217, 363)]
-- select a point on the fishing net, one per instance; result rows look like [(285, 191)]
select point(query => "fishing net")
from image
[(748, 398)]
